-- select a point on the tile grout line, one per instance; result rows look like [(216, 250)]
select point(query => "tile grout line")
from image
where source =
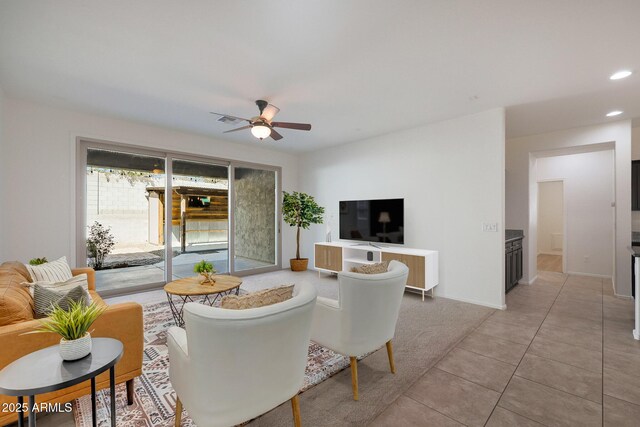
[(427, 406), (432, 367), (525, 352)]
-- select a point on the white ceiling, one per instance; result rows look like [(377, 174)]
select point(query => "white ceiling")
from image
[(353, 69)]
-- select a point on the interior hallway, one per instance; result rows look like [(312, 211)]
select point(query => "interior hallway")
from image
[(548, 262)]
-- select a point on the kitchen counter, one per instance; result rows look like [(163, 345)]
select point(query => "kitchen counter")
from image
[(513, 235)]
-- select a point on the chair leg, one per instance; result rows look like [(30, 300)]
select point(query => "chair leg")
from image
[(354, 376), (295, 407), (390, 354), (130, 392), (178, 412)]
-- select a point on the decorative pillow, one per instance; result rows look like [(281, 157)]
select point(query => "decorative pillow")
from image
[(54, 271), (378, 268), (16, 305), (79, 280), (44, 299), (258, 299)]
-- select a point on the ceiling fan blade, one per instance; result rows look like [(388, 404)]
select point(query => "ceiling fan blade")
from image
[(270, 112), (297, 126), (226, 118), (275, 135), (236, 129)]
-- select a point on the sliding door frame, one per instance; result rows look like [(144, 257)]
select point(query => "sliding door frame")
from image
[(84, 144), (278, 215)]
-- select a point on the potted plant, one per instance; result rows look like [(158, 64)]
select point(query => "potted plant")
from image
[(38, 261), (73, 327), (300, 210), (206, 270)]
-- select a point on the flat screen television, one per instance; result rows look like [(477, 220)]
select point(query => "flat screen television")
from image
[(379, 221)]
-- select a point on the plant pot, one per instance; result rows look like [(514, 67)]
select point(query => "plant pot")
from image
[(299, 264), (75, 349)]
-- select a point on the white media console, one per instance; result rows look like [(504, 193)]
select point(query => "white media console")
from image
[(334, 257)]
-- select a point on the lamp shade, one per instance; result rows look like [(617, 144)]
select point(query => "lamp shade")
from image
[(384, 217), (261, 131)]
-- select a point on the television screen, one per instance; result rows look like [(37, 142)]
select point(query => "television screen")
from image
[(379, 221)]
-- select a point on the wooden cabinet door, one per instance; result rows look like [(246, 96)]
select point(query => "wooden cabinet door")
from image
[(328, 257), (518, 255), (507, 276), (416, 266), (514, 268)]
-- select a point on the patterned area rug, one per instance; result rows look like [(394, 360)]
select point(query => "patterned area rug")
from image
[(154, 401)]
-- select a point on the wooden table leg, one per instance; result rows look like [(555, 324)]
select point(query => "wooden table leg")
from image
[(94, 416), (20, 411), (112, 387), (32, 412)]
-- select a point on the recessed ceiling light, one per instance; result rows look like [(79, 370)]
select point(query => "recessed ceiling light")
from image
[(620, 75), (614, 113)]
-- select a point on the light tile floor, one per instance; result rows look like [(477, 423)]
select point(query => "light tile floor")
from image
[(561, 354)]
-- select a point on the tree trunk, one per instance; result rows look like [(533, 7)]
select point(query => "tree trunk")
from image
[(298, 243)]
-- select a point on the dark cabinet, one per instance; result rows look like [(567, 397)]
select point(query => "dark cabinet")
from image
[(635, 185), (513, 263)]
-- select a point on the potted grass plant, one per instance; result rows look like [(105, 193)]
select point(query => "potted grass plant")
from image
[(73, 327), (300, 210), (206, 270)]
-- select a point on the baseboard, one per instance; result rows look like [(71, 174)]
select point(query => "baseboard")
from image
[(629, 297), (599, 276), (530, 282), (471, 301)]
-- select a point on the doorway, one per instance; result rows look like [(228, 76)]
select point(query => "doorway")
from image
[(551, 224)]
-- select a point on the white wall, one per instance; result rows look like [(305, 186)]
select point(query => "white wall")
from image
[(550, 217), (521, 185), (588, 194), (3, 201), (635, 143), (451, 177), (38, 177)]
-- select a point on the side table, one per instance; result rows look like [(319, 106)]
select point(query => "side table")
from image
[(189, 289), (44, 371)]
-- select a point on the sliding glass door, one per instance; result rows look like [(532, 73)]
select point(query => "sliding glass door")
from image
[(124, 241), (255, 226), (200, 216), (139, 208)]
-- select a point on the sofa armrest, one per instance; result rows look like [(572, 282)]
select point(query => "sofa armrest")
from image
[(124, 322), (91, 275), (120, 321)]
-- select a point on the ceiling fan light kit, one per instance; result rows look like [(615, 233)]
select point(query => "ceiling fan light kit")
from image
[(260, 131), (262, 126)]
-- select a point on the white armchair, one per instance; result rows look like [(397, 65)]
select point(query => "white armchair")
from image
[(364, 318), (231, 366)]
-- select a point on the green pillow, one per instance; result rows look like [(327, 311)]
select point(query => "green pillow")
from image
[(44, 299)]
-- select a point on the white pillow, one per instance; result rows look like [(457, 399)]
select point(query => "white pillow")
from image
[(54, 271)]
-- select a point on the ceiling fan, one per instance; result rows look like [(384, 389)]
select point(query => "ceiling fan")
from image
[(262, 126)]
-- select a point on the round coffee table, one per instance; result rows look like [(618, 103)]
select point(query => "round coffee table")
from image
[(44, 370), (190, 290)]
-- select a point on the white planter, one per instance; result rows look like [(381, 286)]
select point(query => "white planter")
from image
[(76, 349)]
